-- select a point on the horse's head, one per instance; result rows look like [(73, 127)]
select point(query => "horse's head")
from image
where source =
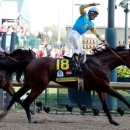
[(20, 54)]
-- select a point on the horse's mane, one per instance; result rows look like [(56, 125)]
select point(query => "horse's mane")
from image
[(19, 52), (104, 50)]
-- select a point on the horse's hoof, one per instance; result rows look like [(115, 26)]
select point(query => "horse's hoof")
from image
[(115, 123), (35, 122), (2, 115)]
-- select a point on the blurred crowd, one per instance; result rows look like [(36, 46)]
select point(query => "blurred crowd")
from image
[(44, 48), (48, 50), (21, 32)]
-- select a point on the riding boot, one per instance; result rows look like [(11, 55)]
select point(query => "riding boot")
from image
[(77, 60)]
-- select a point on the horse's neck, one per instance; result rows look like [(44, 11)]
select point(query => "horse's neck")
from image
[(112, 61)]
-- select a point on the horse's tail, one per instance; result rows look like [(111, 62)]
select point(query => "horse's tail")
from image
[(21, 67)]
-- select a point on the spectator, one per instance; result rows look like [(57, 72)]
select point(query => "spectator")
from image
[(1, 30), (40, 53), (1, 33), (9, 30), (53, 52), (48, 50), (57, 53), (19, 39), (4, 27)]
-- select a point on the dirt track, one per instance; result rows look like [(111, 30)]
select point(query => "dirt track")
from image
[(16, 120)]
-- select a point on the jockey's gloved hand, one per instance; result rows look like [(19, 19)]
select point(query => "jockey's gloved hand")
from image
[(6, 53), (94, 4), (105, 43)]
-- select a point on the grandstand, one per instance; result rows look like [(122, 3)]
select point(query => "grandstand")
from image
[(14, 12)]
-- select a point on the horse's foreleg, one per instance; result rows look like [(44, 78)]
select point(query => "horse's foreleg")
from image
[(9, 88), (16, 97), (5, 112), (11, 91), (12, 101), (102, 97)]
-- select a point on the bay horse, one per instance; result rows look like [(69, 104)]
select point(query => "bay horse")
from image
[(13, 58), (96, 74)]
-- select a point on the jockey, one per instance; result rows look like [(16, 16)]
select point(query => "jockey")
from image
[(83, 24)]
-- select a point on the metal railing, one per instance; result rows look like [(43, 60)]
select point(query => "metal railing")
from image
[(115, 85)]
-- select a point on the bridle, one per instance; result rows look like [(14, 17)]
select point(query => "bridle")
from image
[(118, 56)]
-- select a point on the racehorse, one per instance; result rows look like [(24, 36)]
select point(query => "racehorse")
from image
[(11, 59), (96, 74)]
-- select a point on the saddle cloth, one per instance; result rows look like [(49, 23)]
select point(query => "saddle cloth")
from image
[(65, 70)]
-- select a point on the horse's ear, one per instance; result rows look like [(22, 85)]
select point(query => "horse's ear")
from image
[(30, 50)]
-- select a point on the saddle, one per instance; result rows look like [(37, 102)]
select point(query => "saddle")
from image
[(82, 61), (67, 71)]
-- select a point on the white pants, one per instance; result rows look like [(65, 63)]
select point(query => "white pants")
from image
[(74, 38)]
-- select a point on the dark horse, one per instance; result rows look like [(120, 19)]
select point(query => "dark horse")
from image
[(11, 59), (96, 72)]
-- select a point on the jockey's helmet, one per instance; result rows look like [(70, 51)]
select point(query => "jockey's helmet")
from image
[(93, 9)]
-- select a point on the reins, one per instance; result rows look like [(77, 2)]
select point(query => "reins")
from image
[(117, 55), (9, 58)]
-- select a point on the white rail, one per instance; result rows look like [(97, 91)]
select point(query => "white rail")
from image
[(116, 85)]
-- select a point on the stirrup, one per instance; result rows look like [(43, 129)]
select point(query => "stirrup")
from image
[(80, 70), (76, 67)]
